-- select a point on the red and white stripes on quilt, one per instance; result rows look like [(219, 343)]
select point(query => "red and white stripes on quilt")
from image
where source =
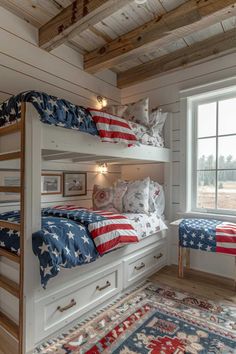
[(114, 231), (112, 128), (108, 230)]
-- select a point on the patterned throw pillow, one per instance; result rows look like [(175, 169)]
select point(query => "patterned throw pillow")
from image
[(135, 112), (156, 198), (136, 199), (117, 110), (138, 112), (110, 198), (145, 135), (157, 121)]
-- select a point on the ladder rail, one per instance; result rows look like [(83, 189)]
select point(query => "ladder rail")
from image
[(16, 330)]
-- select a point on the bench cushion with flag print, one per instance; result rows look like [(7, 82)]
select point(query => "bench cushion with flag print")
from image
[(113, 129), (208, 235)]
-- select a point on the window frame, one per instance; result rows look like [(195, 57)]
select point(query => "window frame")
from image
[(192, 168)]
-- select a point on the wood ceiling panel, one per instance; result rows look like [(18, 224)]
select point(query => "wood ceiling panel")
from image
[(36, 12), (229, 24), (203, 34), (171, 4)]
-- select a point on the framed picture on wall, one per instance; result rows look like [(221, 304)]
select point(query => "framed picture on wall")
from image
[(9, 179), (75, 184), (51, 183)]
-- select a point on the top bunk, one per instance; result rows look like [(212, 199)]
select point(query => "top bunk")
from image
[(83, 139)]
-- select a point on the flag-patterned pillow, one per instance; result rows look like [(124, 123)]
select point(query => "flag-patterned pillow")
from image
[(113, 129)]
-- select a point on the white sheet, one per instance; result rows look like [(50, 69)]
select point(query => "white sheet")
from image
[(146, 225)]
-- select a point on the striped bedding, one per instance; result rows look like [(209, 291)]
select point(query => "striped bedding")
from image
[(112, 128), (108, 230)]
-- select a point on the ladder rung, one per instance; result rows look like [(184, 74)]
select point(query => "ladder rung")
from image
[(9, 225), (14, 155), (10, 286), (9, 255), (9, 129), (9, 325), (6, 189)]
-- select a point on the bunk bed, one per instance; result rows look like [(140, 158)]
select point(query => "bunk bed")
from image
[(80, 290)]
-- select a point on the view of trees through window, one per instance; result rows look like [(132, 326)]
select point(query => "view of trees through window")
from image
[(216, 155)]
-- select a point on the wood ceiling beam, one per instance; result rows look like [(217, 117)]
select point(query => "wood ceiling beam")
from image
[(75, 18), (179, 58), (186, 14)]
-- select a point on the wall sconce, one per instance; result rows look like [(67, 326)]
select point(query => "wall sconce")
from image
[(102, 101), (102, 168)]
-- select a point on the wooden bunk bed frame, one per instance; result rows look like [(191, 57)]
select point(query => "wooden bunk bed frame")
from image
[(34, 138)]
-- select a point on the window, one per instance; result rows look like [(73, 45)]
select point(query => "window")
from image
[(214, 155)]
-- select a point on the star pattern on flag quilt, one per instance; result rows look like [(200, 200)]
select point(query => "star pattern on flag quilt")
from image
[(198, 234), (61, 243), (52, 110)]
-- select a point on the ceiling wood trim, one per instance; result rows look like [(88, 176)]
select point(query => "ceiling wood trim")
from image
[(75, 18), (186, 14), (178, 59)]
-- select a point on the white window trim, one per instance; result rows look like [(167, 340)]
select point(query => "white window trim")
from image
[(187, 148)]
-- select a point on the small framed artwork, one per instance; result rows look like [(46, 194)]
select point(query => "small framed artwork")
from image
[(75, 184), (51, 183), (9, 179)]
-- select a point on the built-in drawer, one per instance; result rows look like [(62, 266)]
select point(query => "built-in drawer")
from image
[(56, 311), (143, 264)]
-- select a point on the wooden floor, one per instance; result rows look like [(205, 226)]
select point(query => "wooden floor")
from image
[(207, 285)]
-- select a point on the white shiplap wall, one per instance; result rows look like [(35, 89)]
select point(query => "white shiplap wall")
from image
[(24, 66), (164, 91)]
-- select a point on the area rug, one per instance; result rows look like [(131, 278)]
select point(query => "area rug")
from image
[(153, 319)]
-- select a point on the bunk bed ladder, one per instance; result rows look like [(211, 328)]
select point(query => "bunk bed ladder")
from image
[(17, 290)]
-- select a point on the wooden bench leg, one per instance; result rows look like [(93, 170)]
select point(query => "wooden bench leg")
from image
[(187, 255), (181, 265)]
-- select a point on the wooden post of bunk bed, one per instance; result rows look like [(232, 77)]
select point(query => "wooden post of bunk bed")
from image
[(22, 228), (17, 290)]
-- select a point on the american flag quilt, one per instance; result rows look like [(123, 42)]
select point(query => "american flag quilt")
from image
[(70, 236), (61, 243), (108, 230), (208, 235), (52, 110)]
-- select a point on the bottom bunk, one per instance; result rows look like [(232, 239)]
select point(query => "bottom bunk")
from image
[(64, 242), (76, 293)]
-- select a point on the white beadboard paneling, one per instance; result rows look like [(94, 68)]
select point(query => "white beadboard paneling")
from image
[(134, 172), (23, 56)]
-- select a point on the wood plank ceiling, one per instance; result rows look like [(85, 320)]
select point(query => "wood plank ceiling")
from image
[(174, 35)]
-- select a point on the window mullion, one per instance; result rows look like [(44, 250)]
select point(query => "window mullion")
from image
[(217, 151)]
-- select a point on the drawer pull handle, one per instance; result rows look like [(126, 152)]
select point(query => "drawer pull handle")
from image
[(100, 288), (159, 256), (67, 307), (142, 265)]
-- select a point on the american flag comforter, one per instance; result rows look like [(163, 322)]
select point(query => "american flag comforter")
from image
[(70, 237), (52, 110), (208, 235)]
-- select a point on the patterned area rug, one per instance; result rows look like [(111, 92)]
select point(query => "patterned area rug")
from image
[(154, 319)]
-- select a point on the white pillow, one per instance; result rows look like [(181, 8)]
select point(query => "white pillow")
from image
[(157, 121), (156, 198), (117, 110), (145, 136), (136, 112), (136, 198)]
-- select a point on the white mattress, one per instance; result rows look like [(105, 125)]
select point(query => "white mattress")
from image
[(146, 225)]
